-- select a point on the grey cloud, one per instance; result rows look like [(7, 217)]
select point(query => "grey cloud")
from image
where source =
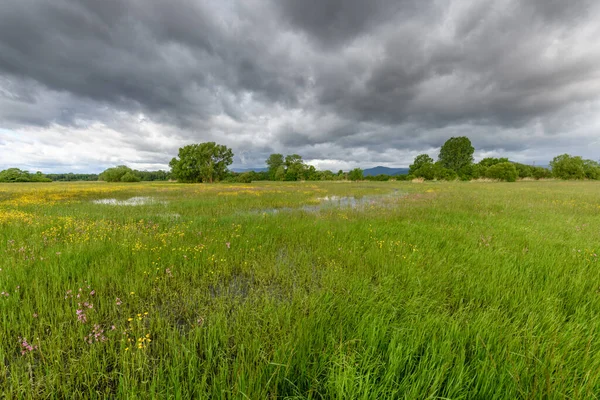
[(336, 22), (169, 58)]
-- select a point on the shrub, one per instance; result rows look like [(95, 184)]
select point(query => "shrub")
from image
[(426, 172), (245, 177), (471, 171), (489, 161), (524, 171), (591, 169), (568, 167), (443, 174), (130, 177), (356, 174), (503, 171), (540, 173), (17, 175), (114, 174)]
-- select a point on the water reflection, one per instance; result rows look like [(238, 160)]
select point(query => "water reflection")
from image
[(339, 202), (134, 201)]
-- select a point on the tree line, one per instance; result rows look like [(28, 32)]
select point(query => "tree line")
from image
[(123, 173), (455, 161), (208, 162)]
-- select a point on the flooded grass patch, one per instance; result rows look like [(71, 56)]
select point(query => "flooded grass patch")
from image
[(333, 202)]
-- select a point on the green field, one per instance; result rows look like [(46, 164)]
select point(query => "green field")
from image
[(397, 290)]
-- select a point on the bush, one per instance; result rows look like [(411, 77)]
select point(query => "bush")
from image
[(471, 171), (246, 177), (443, 174), (379, 178), (524, 171), (114, 174), (17, 175), (130, 177), (356, 174), (489, 161), (503, 171), (540, 173), (427, 172), (591, 169), (568, 167)]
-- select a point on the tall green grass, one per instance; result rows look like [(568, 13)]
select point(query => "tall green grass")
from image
[(435, 290)]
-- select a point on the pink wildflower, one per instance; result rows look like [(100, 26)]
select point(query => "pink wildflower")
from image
[(81, 317), (97, 335), (25, 346)]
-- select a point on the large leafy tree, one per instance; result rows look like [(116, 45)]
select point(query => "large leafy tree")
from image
[(420, 161), (356, 174), (274, 162), (203, 162), (456, 153), (294, 167)]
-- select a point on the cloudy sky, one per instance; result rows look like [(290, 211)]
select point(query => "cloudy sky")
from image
[(89, 84)]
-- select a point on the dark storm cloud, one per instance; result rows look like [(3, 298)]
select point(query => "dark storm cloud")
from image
[(329, 77), (336, 22), (492, 66), (168, 57)]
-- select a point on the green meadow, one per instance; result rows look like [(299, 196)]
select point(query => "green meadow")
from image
[(303, 290)]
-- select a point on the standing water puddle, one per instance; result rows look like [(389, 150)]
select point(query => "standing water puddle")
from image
[(339, 202), (134, 201)]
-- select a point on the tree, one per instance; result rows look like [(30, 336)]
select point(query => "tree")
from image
[(311, 173), (356, 174), (204, 162), (456, 153), (294, 167), (17, 175), (274, 162), (280, 173), (327, 175), (568, 167), (419, 161)]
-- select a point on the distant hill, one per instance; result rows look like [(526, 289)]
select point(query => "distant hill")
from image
[(384, 170)]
